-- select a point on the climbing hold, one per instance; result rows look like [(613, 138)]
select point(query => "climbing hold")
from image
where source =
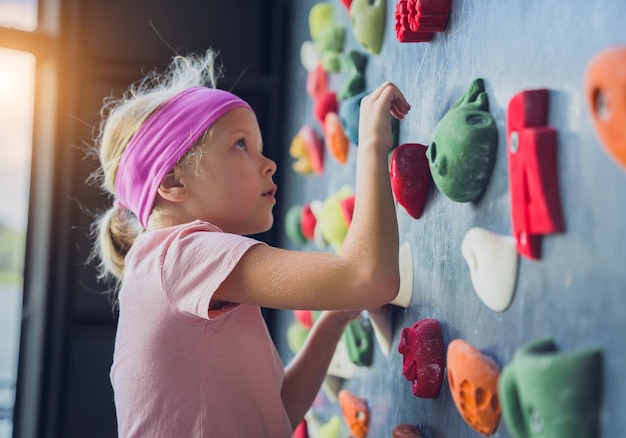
[(331, 386), (292, 225), (336, 141), (473, 380), (463, 149), (355, 413), (406, 431), (340, 365), (359, 337), (404, 33), (308, 222), (368, 23), (492, 262), (307, 148), (533, 171), (325, 103), (331, 221), (316, 82), (330, 429), (353, 64), (321, 19), (304, 317), (410, 177), (349, 112), (547, 393), (421, 347), (347, 208), (331, 61), (405, 264), (309, 56), (296, 335), (382, 323), (316, 208), (328, 37), (605, 82), (301, 431), (417, 20)]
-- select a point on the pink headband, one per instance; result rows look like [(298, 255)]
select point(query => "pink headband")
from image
[(162, 139)]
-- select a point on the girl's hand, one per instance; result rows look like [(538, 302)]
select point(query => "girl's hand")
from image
[(374, 123), (343, 317)]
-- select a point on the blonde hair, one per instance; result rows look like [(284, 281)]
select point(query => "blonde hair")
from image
[(115, 230)]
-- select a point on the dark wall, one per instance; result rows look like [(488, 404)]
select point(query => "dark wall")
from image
[(103, 47)]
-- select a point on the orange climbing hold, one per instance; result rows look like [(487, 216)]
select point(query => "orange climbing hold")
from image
[(355, 413), (473, 380), (335, 137), (605, 85)]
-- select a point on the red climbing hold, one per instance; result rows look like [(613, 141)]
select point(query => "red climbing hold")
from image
[(347, 208), (418, 20), (324, 103), (423, 361), (533, 171), (410, 177), (308, 221)]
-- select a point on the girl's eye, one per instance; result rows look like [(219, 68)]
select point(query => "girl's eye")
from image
[(241, 144)]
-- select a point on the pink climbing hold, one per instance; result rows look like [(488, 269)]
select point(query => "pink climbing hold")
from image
[(314, 145), (423, 364), (301, 431), (316, 82), (533, 171)]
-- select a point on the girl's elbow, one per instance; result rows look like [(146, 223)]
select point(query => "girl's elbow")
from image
[(391, 286), (385, 287)]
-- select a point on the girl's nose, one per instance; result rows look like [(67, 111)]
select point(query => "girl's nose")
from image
[(270, 166)]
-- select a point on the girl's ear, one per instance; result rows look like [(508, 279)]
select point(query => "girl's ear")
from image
[(172, 187)]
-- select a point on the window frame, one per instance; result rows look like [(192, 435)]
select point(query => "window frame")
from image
[(43, 43)]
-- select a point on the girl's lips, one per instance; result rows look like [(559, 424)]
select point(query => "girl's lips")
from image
[(271, 192)]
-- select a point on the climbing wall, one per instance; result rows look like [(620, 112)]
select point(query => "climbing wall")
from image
[(543, 266)]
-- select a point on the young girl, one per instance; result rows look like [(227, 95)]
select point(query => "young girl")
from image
[(185, 165)]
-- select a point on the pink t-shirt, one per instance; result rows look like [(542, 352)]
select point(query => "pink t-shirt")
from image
[(178, 369)]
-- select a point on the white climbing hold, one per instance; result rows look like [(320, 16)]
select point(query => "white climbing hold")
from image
[(405, 261), (492, 260), (382, 324), (309, 55)]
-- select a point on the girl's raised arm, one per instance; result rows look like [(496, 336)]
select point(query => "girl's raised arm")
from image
[(365, 272)]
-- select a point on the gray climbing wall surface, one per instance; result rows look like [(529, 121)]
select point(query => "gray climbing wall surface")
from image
[(575, 292)]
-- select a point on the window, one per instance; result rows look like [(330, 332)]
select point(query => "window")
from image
[(17, 78), (16, 127), (19, 14)]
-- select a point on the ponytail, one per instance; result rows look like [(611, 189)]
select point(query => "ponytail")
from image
[(114, 232)]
